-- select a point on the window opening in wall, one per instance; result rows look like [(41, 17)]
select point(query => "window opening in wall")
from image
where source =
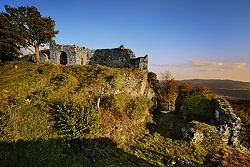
[(63, 58), (82, 61)]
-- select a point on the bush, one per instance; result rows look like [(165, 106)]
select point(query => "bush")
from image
[(76, 120), (116, 102), (116, 82), (41, 70), (122, 103), (139, 107), (59, 80), (242, 109), (199, 108)]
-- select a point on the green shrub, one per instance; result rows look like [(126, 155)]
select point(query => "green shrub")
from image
[(199, 108), (116, 81), (116, 102), (59, 80), (139, 106), (123, 103), (41, 70), (76, 120)]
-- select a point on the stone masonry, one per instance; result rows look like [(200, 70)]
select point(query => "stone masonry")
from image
[(230, 124), (116, 57)]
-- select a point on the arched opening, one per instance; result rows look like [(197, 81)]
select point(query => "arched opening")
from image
[(63, 58)]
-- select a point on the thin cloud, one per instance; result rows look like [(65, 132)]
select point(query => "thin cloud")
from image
[(236, 66), (204, 63), (216, 66), (212, 69), (161, 65)]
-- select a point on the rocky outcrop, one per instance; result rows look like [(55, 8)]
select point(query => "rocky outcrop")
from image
[(230, 124), (200, 132), (134, 85)]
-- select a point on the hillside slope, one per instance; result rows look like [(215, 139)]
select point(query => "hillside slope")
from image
[(53, 115), (227, 88)]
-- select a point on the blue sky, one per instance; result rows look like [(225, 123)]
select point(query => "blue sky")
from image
[(190, 38)]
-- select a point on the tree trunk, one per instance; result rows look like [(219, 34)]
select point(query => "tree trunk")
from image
[(37, 54)]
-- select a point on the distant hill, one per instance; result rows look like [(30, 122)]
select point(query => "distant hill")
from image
[(227, 88)]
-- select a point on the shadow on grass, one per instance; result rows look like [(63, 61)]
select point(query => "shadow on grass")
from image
[(58, 152), (168, 124)]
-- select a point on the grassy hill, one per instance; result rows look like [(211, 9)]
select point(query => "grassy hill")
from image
[(52, 115), (227, 88)]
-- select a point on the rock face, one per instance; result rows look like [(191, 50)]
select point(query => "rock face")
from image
[(116, 57), (129, 84), (199, 132), (193, 135), (230, 124)]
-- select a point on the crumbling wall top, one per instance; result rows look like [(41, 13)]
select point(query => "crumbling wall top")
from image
[(115, 57)]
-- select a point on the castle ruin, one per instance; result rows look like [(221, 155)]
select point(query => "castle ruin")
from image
[(116, 57)]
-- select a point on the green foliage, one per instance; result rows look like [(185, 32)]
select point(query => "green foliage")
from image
[(41, 70), (9, 36), (121, 104), (116, 81), (185, 90), (29, 28), (76, 120), (154, 83), (199, 108), (139, 107), (116, 103), (203, 91), (59, 80), (242, 110), (169, 94), (38, 128)]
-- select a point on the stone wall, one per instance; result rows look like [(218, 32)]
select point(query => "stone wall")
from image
[(228, 127), (75, 55), (113, 57), (116, 57), (230, 124)]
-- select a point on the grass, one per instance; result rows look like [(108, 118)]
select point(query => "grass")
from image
[(49, 117)]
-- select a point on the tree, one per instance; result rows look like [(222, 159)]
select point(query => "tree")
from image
[(185, 90), (169, 94), (204, 91), (9, 35), (154, 83), (166, 76), (29, 27)]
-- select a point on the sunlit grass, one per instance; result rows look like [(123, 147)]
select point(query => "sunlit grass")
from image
[(30, 93)]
